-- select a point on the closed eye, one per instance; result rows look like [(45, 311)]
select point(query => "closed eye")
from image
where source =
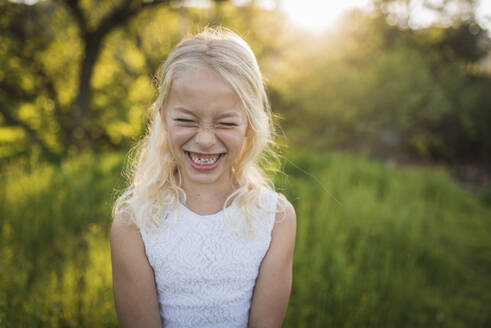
[(227, 124), (184, 120)]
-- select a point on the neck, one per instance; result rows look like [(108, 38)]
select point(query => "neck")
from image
[(207, 198)]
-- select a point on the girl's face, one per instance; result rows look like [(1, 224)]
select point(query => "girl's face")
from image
[(206, 126)]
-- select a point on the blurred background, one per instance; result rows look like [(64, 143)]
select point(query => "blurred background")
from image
[(385, 115)]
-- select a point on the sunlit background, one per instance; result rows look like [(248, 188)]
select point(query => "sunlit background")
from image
[(383, 110), (317, 15)]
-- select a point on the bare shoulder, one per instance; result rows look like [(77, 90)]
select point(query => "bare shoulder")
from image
[(123, 224), (125, 236), (134, 288), (273, 285), (285, 211), (127, 246), (285, 220)]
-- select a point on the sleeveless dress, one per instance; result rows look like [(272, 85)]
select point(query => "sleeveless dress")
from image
[(206, 266)]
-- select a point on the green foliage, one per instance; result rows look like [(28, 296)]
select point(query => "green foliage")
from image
[(374, 83), (54, 248), (67, 84), (372, 86), (384, 247), (376, 246)]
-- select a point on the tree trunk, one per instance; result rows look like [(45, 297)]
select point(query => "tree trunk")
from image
[(93, 45)]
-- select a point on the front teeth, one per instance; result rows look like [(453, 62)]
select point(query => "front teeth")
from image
[(199, 160)]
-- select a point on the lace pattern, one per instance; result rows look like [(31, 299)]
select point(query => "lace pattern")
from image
[(205, 268)]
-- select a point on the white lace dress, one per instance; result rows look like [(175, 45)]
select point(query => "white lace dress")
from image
[(204, 272)]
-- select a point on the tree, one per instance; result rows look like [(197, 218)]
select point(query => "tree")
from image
[(28, 31), (392, 89), (81, 63)]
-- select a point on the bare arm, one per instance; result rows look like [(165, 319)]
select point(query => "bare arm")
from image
[(273, 285), (134, 289)]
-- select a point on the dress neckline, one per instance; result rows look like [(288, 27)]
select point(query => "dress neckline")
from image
[(207, 216)]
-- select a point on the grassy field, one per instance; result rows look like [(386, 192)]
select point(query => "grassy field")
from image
[(377, 246)]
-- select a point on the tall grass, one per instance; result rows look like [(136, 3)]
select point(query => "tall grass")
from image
[(379, 246), (54, 251), (376, 246)]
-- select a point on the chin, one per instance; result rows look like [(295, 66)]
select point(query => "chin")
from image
[(205, 179)]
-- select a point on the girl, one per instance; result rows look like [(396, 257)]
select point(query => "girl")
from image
[(200, 238)]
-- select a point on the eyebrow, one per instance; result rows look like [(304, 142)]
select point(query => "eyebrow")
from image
[(185, 110), (228, 114)]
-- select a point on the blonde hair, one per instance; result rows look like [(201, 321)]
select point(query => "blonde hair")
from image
[(152, 170)]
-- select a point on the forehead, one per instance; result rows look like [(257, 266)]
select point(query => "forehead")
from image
[(202, 90)]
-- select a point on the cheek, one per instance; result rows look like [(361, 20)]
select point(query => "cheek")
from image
[(179, 136), (233, 139)]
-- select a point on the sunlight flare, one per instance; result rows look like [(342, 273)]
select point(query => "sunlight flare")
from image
[(318, 14)]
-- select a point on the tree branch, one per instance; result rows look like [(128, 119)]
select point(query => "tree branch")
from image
[(93, 43), (78, 14), (53, 95), (121, 14), (11, 120)]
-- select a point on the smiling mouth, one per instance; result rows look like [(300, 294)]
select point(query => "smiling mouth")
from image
[(204, 161)]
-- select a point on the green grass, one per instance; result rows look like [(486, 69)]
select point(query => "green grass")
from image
[(54, 249), (377, 246)]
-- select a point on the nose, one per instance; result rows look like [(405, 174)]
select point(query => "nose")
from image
[(206, 138)]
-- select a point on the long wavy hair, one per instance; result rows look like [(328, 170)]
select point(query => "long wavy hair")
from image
[(152, 172)]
